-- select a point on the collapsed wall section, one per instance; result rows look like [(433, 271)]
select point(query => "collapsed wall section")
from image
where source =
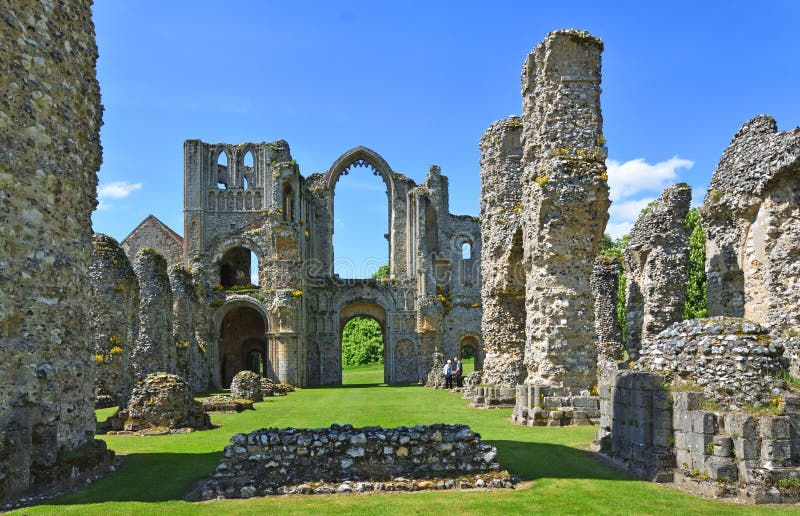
[(565, 194), (502, 272), (50, 115), (114, 319), (751, 214), (656, 259)]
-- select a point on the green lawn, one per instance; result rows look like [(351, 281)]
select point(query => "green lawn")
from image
[(560, 476)]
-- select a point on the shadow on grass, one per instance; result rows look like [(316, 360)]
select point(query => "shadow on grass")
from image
[(532, 461), (147, 477)]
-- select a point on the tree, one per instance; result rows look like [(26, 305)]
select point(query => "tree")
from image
[(613, 249), (362, 342), (381, 273), (696, 300)]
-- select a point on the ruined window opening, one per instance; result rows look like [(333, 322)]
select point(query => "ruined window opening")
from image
[(431, 228), (288, 203), (361, 230), (247, 169), (255, 363), (466, 251), (515, 273), (222, 170), (238, 268)]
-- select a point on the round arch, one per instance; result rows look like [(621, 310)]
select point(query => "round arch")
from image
[(372, 310), (240, 328)]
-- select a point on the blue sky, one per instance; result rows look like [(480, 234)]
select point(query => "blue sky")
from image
[(419, 82)]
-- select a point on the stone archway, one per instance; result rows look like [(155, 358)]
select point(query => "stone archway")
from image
[(369, 310), (242, 336)]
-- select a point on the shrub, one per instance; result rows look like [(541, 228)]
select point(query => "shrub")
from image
[(362, 342)]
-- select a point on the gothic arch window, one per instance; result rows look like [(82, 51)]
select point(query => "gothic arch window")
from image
[(222, 170), (248, 169)]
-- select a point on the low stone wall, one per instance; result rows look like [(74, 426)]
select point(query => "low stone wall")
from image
[(734, 360), (539, 405), (672, 436), (274, 461)]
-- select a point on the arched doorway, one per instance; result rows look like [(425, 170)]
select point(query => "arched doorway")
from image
[(469, 352), (243, 343), (365, 310)]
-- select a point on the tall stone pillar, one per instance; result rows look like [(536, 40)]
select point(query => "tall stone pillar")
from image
[(656, 258), (114, 319), (502, 271), (190, 348), (566, 204), (155, 349), (50, 115)]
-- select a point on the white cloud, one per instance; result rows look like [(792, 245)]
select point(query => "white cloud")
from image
[(636, 176), (628, 210), (117, 189), (618, 229), (631, 182)]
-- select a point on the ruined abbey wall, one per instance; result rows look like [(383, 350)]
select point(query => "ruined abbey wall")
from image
[(154, 350), (50, 115), (502, 270), (752, 222), (655, 259), (114, 319), (566, 206)]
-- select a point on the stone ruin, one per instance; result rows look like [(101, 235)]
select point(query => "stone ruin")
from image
[(544, 206), (709, 404), (656, 258), (50, 115), (114, 320), (344, 459), (162, 403), (247, 385)]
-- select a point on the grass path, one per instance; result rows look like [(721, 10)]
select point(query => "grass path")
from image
[(563, 478)]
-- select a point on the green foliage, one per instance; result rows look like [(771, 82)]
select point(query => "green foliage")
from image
[(696, 300), (362, 342), (613, 249), (381, 273)]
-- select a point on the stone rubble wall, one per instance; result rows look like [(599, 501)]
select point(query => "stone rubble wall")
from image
[(656, 259), (247, 385), (192, 360), (263, 461), (161, 403), (154, 350), (502, 271), (734, 361), (607, 333), (114, 319), (50, 115), (566, 206), (751, 214)]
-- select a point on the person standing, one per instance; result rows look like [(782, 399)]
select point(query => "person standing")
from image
[(457, 370), (448, 375)]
